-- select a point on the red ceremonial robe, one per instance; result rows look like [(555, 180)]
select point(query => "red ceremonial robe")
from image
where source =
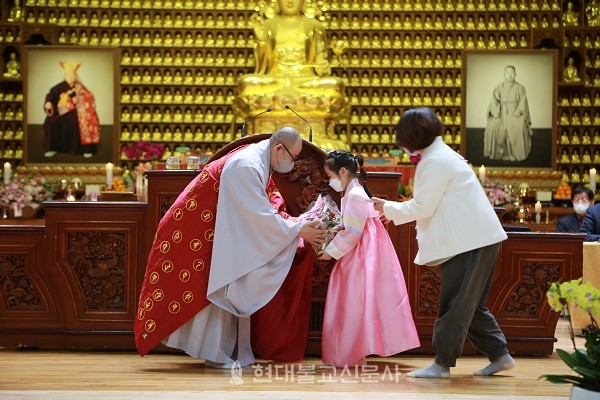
[(176, 279)]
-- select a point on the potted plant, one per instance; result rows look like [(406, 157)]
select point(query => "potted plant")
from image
[(585, 363)]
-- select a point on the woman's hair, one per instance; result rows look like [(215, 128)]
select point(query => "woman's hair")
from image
[(418, 128), (338, 159)]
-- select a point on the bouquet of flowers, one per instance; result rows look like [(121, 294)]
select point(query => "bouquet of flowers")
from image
[(325, 210), (22, 191), (496, 193)]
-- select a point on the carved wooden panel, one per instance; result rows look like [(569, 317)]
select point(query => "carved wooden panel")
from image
[(99, 261), (530, 293), (16, 289)]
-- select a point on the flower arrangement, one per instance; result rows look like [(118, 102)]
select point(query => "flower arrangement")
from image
[(585, 363), (497, 194), (325, 210), (22, 191), (143, 150)]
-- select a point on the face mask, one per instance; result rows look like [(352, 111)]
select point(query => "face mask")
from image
[(336, 184), (285, 166), (580, 208)]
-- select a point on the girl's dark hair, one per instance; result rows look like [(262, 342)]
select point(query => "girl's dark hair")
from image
[(418, 128), (338, 159)]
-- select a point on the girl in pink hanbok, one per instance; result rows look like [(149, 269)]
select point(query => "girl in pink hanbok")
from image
[(367, 309)]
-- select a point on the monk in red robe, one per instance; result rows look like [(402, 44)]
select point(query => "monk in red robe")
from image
[(218, 276)]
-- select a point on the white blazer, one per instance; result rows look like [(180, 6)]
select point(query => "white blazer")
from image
[(452, 211)]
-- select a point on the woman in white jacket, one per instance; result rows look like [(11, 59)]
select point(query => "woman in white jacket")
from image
[(458, 230)]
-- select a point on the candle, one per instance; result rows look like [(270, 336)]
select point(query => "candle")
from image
[(481, 173), (593, 179), (109, 175), (538, 207), (7, 172)]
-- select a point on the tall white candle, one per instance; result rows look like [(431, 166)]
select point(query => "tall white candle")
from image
[(538, 207), (593, 179), (7, 172), (109, 175), (481, 173)]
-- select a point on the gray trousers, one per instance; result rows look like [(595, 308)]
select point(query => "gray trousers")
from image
[(466, 281)]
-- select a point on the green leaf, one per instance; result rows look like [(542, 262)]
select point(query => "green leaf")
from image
[(575, 380)]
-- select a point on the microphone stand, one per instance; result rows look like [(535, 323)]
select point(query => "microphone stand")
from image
[(305, 120), (251, 119)]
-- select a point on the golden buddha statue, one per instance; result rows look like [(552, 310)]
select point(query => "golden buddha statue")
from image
[(291, 69), (570, 17), (596, 157), (12, 69), (592, 13)]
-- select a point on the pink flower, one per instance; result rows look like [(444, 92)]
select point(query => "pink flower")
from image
[(143, 150), (25, 190)]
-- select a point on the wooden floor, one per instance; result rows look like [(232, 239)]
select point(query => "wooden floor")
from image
[(90, 375)]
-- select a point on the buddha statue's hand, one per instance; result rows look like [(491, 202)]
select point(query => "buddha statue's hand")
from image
[(258, 25)]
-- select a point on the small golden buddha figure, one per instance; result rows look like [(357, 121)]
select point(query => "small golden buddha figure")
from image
[(448, 101), (491, 44), (125, 78), (364, 117), (575, 119), (575, 137), (12, 68), (570, 17), (481, 42), (136, 40), (555, 22), (406, 99), (470, 44), (564, 157), (417, 62), (418, 23), (146, 58), (125, 96), (575, 157), (449, 62), (417, 79), (396, 100), (570, 73), (524, 24), (564, 118), (448, 79), (115, 40), (564, 137), (418, 42), (575, 102), (448, 120), (448, 23), (481, 24), (438, 42), (95, 40), (428, 61), (136, 115), (586, 139), (417, 101), (437, 98), (30, 18), (385, 118)]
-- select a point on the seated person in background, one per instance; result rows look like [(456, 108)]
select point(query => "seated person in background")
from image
[(591, 224), (582, 198)]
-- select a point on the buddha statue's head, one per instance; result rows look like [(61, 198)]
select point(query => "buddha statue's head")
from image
[(290, 8)]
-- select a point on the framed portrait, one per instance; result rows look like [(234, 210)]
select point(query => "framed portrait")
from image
[(70, 104), (509, 108)]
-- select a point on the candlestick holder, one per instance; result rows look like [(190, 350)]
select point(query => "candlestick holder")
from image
[(538, 217)]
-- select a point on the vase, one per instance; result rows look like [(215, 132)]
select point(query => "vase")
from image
[(578, 393), (27, 212)]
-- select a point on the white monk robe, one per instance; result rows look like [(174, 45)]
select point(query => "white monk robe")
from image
[(252, 254)]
